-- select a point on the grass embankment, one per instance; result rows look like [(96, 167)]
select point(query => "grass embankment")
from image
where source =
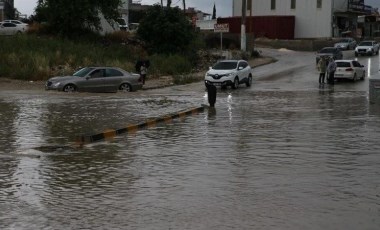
[(29, 57)]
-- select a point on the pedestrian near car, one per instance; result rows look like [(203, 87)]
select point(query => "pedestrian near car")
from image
[(143, 72), (322, 70), (331, 68)]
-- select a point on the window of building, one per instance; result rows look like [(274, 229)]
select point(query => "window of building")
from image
[(292, 4), (319, 4), (273, 4), (249, 4)]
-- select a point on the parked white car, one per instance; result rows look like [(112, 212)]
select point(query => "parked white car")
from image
[(19, 23), (229, 73), (8, 28), (349, 69), (367, 48), (346, 44)]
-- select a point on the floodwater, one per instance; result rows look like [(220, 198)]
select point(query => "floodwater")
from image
[(283, 154)]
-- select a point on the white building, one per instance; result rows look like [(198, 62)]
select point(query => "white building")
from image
[(107, 27), (313, 18)]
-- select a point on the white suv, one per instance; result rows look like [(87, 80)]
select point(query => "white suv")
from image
[(229, 73), (367, 48)]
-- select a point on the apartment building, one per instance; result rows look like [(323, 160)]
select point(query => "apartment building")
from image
[(313, 18), (6, 9)]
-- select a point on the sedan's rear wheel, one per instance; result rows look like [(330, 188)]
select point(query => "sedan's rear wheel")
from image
[(236, 83), (125, 87), (363, 75), (70, 88)]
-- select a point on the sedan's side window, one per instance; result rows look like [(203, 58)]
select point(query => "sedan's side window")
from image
[(97, 73), (9, 25), (113, 73)]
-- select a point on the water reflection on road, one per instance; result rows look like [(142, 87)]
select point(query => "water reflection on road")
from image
[(274, 156)]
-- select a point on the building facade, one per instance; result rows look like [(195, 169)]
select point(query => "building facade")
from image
[(313, 18), (6, 9)]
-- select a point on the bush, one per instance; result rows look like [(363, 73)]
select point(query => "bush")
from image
[(28, 57), (166, 30), (169, 64)]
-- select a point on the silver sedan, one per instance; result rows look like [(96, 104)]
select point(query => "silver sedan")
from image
[(96, 79)]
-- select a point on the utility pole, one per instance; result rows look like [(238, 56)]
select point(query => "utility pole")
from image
[(243, 39), (250, 24), (184, 6)]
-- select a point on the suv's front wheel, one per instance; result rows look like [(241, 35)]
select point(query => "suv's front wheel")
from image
[(249, 81), (236, 83)]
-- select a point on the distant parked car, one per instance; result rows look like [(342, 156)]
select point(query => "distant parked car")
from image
[(349, 69), (367, 48), (8, 28), (332, 52), (346, 44), (229, 73), (122, 24), (19, 23), (96, 79)]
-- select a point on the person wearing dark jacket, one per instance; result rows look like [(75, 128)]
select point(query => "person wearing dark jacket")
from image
[(331, 68), (322, 70)]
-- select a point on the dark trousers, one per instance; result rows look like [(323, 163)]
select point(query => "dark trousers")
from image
[(322, 77), (143, 76), (331, 78)]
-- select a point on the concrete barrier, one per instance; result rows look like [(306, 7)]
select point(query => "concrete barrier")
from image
[(109, 134)]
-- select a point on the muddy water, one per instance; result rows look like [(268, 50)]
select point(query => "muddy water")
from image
[(268, 157)]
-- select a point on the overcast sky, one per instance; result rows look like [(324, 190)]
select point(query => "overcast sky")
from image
[(223, 7)]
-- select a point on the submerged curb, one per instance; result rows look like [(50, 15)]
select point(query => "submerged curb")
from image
[(111, 133)]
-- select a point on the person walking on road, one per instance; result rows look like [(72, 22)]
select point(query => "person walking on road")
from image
[(322, 70), (331, 68)]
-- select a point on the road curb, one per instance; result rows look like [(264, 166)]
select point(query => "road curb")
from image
[(149, 123)]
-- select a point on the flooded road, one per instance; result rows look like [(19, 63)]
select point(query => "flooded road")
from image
[(283, 154)]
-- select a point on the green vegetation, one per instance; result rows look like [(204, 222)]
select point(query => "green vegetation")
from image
[(167, 30), (70, 18), (65, 42), (29, 57)]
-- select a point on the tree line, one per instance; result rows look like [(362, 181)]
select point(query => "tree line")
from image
[(162, 29)]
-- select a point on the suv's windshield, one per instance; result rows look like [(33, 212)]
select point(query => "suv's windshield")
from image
[(83, 72), (365, 44), (225, 65)]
